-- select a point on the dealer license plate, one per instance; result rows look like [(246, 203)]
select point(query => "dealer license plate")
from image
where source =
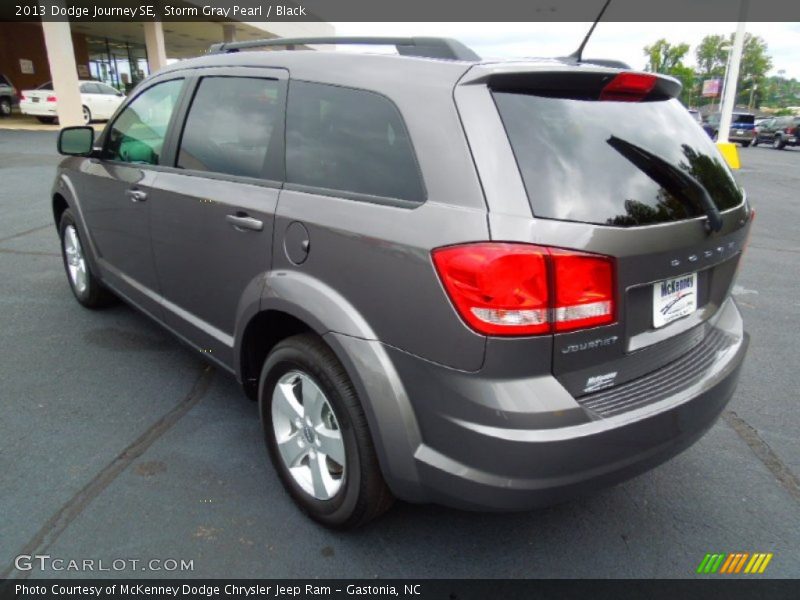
[(674, 298)]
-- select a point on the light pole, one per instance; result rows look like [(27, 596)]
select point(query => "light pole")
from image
[(729, 88)]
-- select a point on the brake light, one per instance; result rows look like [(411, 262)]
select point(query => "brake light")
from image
[(521, 289), (789, 130), (628, 87), (22, 96), (51, 99)]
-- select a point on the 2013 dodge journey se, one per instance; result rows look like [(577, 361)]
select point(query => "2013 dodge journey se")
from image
[(490, 285)]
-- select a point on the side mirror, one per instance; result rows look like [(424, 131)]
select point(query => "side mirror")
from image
[(76, 141)]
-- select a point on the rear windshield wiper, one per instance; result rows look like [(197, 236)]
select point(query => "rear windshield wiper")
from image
[(673, 179)]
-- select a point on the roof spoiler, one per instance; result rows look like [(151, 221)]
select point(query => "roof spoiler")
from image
[(426, 47)]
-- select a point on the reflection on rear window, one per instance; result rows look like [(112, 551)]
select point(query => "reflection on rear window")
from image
[(571, 173)]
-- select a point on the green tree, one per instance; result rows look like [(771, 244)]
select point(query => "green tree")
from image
[(712, 57), (663, 57)]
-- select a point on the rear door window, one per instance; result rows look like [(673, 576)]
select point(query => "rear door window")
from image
[(232, 123), (571, 172), (347, 140)]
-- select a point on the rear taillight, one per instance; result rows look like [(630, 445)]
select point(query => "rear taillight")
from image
[(789, 130), (522, 289), (51, 98), (629, 87), (22, 96)]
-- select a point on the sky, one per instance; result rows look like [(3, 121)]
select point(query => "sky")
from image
[(622, 41)]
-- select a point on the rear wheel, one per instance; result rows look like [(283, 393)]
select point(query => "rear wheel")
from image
[(754, 142), (778, 143), (85, 286), (5, 107), (87, 115), (317, 435)]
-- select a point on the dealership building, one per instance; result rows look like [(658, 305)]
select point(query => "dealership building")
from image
[(119, 54)]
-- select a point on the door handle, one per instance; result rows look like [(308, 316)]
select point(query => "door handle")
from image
[(136, 195), (242, 221)]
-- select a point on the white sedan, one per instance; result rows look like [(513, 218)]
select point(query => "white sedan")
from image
[(98, 99)]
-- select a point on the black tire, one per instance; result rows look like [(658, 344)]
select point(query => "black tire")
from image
[(363, 494), (754, 143), (46, 120), (5, 107), (778, 143), (87, 116), (94, 295)]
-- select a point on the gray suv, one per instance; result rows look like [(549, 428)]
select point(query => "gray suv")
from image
[(490, 285)]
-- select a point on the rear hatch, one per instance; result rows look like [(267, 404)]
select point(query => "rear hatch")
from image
[(40, 94), (618, 167)]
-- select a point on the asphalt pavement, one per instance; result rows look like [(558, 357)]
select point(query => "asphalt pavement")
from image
[(118, 443)]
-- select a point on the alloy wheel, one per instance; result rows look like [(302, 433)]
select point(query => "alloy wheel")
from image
[(307, 435), (76, 262)]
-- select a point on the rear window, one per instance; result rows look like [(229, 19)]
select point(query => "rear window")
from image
[(744, 119), (46, 86), (572, 173)]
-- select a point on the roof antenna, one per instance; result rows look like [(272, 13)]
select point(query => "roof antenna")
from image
[(577, 56)]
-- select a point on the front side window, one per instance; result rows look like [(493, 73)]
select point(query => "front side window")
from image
[(231, 124), (349, 140), (137, 135)]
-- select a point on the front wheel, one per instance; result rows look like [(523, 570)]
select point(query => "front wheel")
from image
[(317, 435), (85, 286)]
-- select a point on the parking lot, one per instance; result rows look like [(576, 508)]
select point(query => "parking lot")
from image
[(117, 442)]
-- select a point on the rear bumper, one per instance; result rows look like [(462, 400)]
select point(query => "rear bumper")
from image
[(745, 136), (509, 459), (37, 109)]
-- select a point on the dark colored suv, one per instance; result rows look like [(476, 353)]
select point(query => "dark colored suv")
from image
[(491, 285), (779, 132), (8, 96), (742, 130)]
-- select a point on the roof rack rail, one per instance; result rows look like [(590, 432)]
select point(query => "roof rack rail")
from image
[(427, 47)]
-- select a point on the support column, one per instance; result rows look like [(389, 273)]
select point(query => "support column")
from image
[(63, 72), (228, 32), (154, 42)]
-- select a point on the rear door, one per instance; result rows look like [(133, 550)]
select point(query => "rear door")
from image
[(110, 98), (561, 148), (93, 100), (213, 209)]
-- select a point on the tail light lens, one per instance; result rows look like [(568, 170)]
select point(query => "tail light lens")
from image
[(51, 98), (789, 130), (629, 87), (22, 96), (521, 289)]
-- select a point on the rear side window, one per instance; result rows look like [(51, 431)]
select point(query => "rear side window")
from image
[(348, 140), (231, 124), (137, 135), (89, 88), (571, 172)]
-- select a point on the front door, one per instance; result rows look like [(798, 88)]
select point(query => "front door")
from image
[(115, 199), (212, 214)]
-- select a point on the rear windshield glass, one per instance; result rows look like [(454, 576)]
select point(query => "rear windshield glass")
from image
[(744, 119), (572, 173), (46, 86)]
